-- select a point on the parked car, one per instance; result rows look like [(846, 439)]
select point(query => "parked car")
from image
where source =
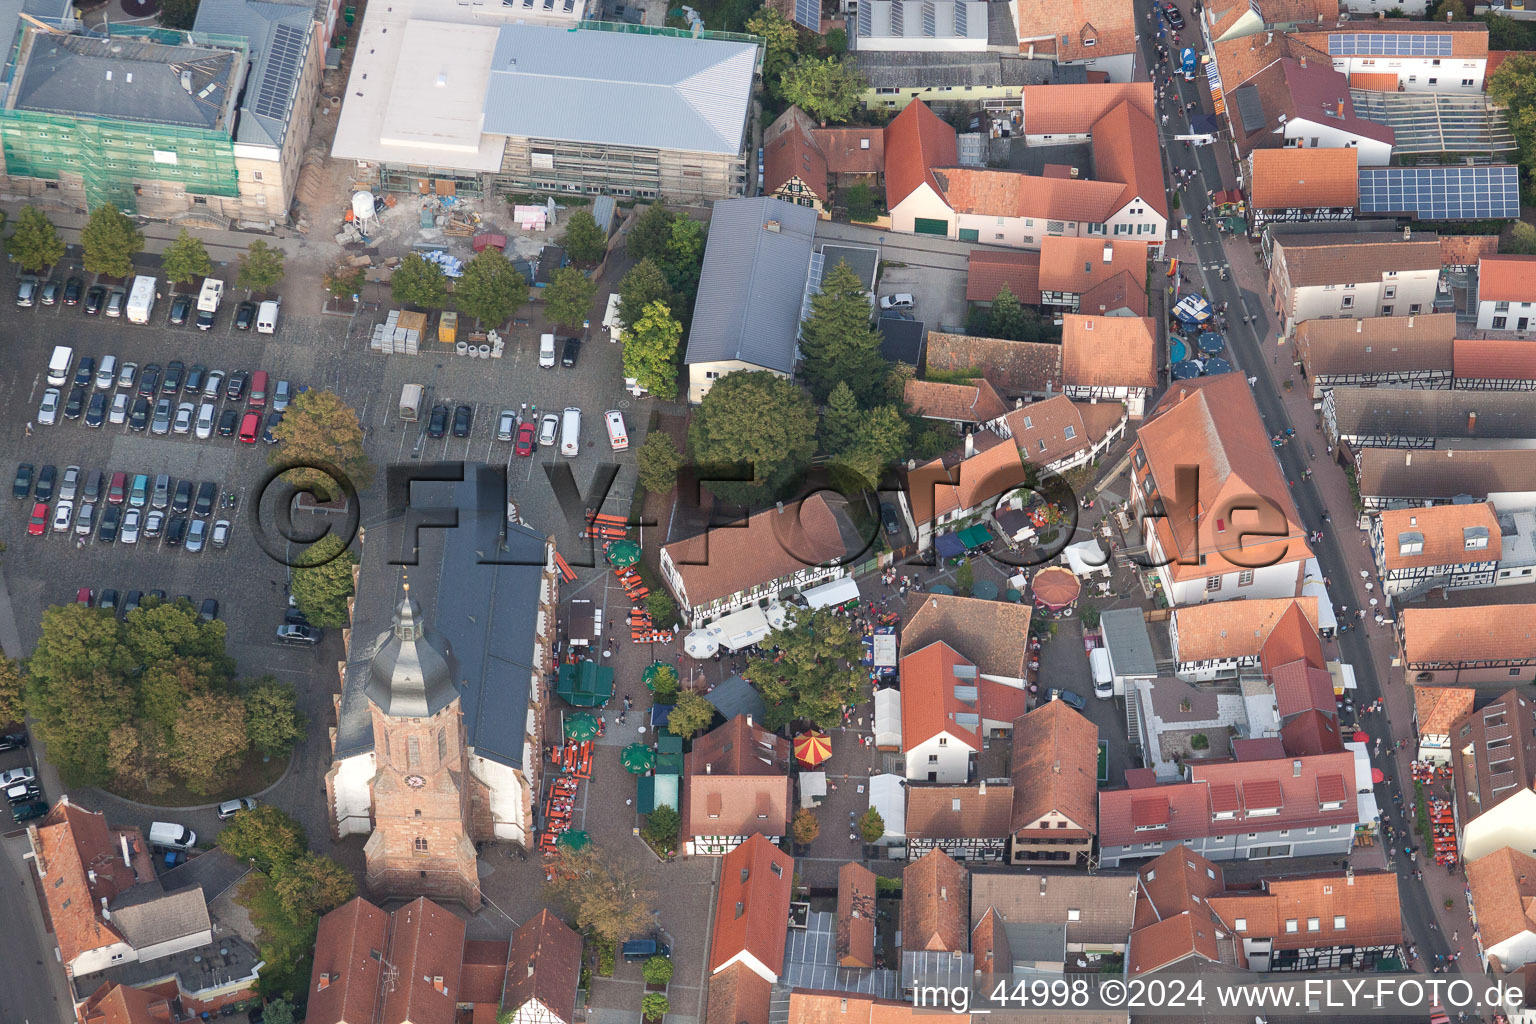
[(889, 519), (235, 389), (274, 420), (245, 316), (196, 375), (127, 375), (1074, 701), (46, 478), (182, 500), (214, 385), (26, 292), (69, 483), (901, 300), (90, 490), (185, 412), (209, 611), (463, 417), (23, 485), (161, 422), (95, 299), (48, 411), (1174, 16), (207, 492), (63, 515), (11, 776), (175, 371), (50, 293), (175, 531), (290, 633), (131, 601), (154, 523), (197, 535), (149, 380), (525, 439), (107, 599), (72, 291), (117, 489), (85, 519), (250, 426), (437, 423), (106, 372), (219, 538), (181, 307), (29, 810), (282, 394), (229, 808), (129, 532), (228, 420), (115, 299), (13, 741), (205, 415), (506, 425), (85, 372), (571, 352), (111, 519), (118, 415), (76, 404), (138, 418)]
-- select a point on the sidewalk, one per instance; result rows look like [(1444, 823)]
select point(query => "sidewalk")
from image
[(223, 246)]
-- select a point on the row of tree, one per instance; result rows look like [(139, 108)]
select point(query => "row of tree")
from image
[(804, 69), (148, 701), (111, 240)]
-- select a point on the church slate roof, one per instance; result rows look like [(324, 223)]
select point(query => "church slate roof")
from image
[(409, 677)]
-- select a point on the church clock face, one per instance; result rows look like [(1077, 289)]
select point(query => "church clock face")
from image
[(415, 781)]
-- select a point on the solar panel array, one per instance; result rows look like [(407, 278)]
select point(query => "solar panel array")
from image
[(1389, 44), (1442, 193), (930, 25), (898, 19), (866, 19), (808, 13), (960, 21), (1432, 122), (282, 71)]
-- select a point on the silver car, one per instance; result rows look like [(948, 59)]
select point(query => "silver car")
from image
[(85, 522), (549, 429), (184, 413), (214, 385), (197, 535), (506, 425), (154, 523), (119, 414), (69, 483), (220, 535), (127, 374), (206, 414), (48, 411), (63, 513), (129, 532), (161, 424)]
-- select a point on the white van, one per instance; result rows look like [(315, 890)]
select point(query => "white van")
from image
[(170, 836), (106, 373), (570, 432), (59, 365), (616, 433), (266, 318), (1103, 675), (546, 350), (611, 321), (410, 402)]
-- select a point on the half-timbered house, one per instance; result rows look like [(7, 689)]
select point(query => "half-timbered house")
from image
[(1377, 352), (1469, 644), (1448, 547)]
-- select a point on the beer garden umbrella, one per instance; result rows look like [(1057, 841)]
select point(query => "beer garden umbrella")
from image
[(637, 758), (580, 727)]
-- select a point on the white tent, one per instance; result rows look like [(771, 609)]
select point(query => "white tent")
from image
[(813, 789), (1312, 586), (888, 796), (1085, 558), (839, 591), (888, 719), (737, 630)]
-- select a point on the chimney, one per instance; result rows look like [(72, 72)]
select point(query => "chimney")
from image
[(1303, 62), (1295, 769), (780, 506), (127, 860), (1359, 326), (1410, 321), (773, 226), (90, 876), (970, 445), (1043, 880), (708, 768), (1340, 114), (1408, 461), (1349, 873), (1109, 253), (749, 721), (1269, 37), (944, 892), (1471, 421), (1407, 233), (106, 915), (324, 983), (981, 788), (437, 983)]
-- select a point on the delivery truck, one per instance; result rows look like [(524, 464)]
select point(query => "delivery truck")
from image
[(141, 299), (208, 302)]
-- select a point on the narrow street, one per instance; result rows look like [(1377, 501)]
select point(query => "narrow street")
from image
[(1259, 351)]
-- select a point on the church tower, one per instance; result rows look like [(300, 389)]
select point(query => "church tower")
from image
[(420, 844)]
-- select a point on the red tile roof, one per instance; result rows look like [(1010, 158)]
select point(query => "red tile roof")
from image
[(1177, 881), (1059, 428), (917, 141), (996, 193), (1213, 425), (789, 152), (1126, 149), (1437, 708), (771, 544), (1306, 178), (992, 635), (929, 704), (426, 942), (1331, 260), (1109, 351), (1301, 687), (959, 812), (124, 1004), (1074, 109), (1242, 58), (752, 907), (1468, 38), (988, 272), (80, 862), (856, 894), (1324, 910), (1170, 941), (1466, 250), (974, 402), (344, 984), (1493, 359), (1503, 886), (1506, 278), (483, 975), (1311, 733), (852, 150), (1013, 367), (544, 964), (935, 904), (1124, 291), (1076, 265), (1219, 630), (1454, 635), (1075, 30), (736, 782), (738, 995), (936, 488), (1440, 532), (1057, 750)]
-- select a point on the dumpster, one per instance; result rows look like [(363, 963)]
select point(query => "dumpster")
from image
[(448, 328)]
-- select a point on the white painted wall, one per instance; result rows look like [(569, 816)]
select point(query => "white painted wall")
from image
[(1510, 823), (1373, 152), (1515, 951), (1512, 314), (751, 962), (952, 766), (923, 202), (1366, 298), (1412, 8), (1420, 74), (354, 799), (1283, 579), (93, 960), (509, 795)]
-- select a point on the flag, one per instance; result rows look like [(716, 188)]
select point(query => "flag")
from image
[(1173, 268)]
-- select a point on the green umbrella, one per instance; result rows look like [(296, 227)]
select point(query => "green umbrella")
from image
[(622, 553), (637, 758), (573, 840), (580, 727), (986, 590), (1014, 596)]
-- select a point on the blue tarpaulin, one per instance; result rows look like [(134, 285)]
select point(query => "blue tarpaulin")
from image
[(948, 546)]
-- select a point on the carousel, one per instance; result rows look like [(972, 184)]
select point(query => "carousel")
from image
[(1056, 590)]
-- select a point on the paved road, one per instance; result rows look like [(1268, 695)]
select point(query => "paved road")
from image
[(33, 992), (1256, 354)]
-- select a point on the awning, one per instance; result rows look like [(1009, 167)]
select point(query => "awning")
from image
[(839, 591), (813, 788), (737, 630), (948, 546), (975, 536), (1312, 586), (888, 719), (1086, 558), (888, 796)]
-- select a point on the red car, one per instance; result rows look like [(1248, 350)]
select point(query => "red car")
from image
[(525, 440), (37, 524), (84, 597), (118, 489), (250, 426)]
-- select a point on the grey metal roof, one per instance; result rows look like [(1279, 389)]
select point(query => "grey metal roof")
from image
[(810, 961), (214, 872), (919, 69), (863, 260), (409, 676), (161, 920), (901, 341), (752, 286), (485, 614), (53, 12), (920, 19), (735, 696), (1125, 634), (621, 89), (278, 36), (128, 80)]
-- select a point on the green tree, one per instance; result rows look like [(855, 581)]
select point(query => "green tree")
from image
[(650, 351), (840, 420), (186, 259), (266, 837), (77, 690), (584, 241), (273, 721), (165, 686), (643, 285), (418, 281), (568, 299), (1522, 239), (138, 758), (781, 39), (278, 1011), (320, 430), (261, 267), (35, 243), (283, 941), (110, 242), (661, 827), (1449, 10), (658, 461), (322, 581), (648, 236), (658, 969), (757, 425), (664, 684), (313, 885), (880, 440), (690, 716), (178, 14), (838, 342), (836, 41), (871, 826), (654, 1006), (965, 578), (13, 703), (208, 741), (1006, 317), (491, 289), (818, 671), (162, 631), (863, 203), (684, 259), (805, 828), (1514, 86), (343, 281), (605, 893), (662, 608), (827, 88)]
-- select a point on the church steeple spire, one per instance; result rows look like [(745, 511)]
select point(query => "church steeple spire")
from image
[(410, 676)]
